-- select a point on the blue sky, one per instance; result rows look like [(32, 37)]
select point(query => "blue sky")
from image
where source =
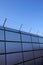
[(26, 12)]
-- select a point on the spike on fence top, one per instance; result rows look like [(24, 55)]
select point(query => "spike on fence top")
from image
[(21, 27), (37, 31), (4, 22), (30, 30)]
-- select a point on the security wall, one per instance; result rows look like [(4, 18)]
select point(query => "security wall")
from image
[(20, 48)]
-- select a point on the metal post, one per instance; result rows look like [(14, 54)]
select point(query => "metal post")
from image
[(21, 27), (4, 22)]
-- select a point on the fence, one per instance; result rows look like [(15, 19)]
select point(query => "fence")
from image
[(20, 48)]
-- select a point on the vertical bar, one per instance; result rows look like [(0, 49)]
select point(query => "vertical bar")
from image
[(33, 50), (5, 47), (21, 47), (40, 49)]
